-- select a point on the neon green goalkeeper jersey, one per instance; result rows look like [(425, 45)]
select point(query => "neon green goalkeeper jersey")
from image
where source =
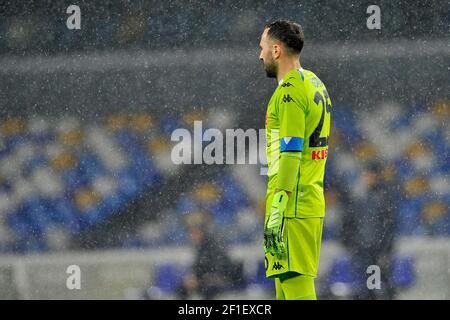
[(298, 119)]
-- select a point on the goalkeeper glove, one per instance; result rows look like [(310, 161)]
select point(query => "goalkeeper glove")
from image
[(273, 231)]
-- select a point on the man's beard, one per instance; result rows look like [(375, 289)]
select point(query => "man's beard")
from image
[(271, 69)]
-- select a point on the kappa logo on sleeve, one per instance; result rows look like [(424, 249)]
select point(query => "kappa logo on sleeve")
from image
[(277, 266), (287, 98)]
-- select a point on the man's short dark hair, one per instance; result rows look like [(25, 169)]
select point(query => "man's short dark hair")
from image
[(290, 33)]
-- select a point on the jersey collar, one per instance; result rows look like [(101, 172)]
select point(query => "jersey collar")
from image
[(300, 70)]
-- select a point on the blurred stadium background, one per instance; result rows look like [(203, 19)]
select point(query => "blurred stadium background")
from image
[(86, 118)]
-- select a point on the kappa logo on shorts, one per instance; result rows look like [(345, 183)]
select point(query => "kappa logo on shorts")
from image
[(277, 266)]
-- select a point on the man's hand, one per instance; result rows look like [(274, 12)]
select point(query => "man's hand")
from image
[(273, 231)]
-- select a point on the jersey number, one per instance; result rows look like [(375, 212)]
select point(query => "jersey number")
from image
[(316, 140)]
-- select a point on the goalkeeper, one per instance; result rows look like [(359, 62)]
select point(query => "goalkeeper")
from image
[(297, 131)]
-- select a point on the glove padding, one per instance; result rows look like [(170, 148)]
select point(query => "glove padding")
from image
[(273, 231)]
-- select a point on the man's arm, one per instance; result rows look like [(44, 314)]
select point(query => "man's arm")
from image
[(292, 127), (288, 171)]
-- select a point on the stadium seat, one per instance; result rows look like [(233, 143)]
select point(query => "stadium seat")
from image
[(168, 277), (403, 272), (341, 277)]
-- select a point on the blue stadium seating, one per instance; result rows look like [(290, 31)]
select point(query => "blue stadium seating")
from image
[(168, 277), (77, 206), (403, 272)]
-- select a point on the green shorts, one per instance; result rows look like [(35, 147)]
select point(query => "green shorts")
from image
[(303, 237)]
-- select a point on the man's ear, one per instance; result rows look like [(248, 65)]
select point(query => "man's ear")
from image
[(276, 51)]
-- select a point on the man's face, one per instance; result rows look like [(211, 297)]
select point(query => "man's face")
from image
[(266, 55)]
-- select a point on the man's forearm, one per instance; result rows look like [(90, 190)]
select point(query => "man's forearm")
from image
[(288, 171)]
